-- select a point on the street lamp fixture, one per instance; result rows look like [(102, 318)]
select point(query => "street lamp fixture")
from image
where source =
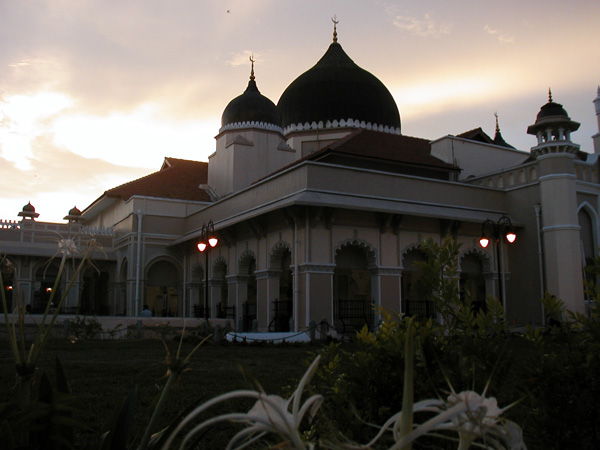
[(502, 229), (208, 240)]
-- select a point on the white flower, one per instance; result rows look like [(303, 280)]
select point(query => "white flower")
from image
[(67, 247), (480, 412), (472, 415), (270, 414)]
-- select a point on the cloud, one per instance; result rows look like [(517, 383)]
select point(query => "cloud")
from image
[(57, 179), (426, 27), (242, 58), (500, 36), (52, 165)]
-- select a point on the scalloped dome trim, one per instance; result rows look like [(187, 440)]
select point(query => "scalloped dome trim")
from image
[(343, 123), (251, 124)]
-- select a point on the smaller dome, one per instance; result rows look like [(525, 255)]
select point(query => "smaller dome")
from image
[(552, 109), (74, 215), (28, 212), (28, 208), (552, 116), (74, 211), (251, 109)]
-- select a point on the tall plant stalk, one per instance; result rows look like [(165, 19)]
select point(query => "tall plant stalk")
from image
[(26, 356)]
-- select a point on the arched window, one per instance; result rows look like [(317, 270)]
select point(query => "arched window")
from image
[(588, 242), (415, 295), (472, 281), (247, 267), (162, 289), (352, 289), (282, 306)]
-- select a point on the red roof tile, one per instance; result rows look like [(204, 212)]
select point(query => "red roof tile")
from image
[(178, 179), (395, 148), (477, 134)]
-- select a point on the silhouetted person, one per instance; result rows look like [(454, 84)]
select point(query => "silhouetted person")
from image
[(146, 312)]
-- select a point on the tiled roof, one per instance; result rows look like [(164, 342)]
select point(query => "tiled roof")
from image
[(476, 134), (399, 150), (385, 146), (177, 179)]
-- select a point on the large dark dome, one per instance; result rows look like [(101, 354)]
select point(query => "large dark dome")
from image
[(336, 89), (251, 109)]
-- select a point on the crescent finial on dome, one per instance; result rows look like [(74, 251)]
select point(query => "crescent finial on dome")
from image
[(251, 58), (335, 22), (549, 95)]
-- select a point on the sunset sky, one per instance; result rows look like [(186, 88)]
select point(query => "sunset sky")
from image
[(95, 93)]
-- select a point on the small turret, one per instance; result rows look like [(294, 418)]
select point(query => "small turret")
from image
[(28, 212), (74, 215), (553, 128)]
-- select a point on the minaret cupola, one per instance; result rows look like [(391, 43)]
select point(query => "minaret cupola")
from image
[(28, 212), (553, 128)]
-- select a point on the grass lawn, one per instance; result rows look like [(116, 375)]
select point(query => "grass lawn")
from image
[(101, 374)]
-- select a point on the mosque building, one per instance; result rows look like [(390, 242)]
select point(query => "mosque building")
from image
[(319, 203)]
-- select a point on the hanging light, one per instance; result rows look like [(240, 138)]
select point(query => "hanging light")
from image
[(484, 241), (511, 236), (501, 228)]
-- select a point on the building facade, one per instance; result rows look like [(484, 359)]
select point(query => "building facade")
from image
[(319, 203)]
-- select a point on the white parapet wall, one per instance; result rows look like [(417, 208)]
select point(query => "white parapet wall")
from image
[(113, 327)]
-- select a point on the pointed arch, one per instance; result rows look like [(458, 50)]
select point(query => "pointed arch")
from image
[(475, 251), (197, 273), (280, 263), (588, 236), (163, 276), (246, 262), (475, 267), (247, 288), (45, 274), (123, 266), (414, 293), (277, 253), (585, 207), (370, 252), (354, 285), (220, 268), (415, 247)]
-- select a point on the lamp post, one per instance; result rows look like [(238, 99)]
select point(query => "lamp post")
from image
[(501, 229), (207, 241)]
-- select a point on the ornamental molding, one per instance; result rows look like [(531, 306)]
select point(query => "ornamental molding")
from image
[(266, 274), (343, 123), (397, 271), (251, 124), (317, 268)]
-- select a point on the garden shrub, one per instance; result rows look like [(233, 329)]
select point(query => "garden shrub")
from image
[(551, 375)]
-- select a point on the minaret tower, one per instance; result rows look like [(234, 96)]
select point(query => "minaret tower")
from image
[(596, 137), (556, 155)]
